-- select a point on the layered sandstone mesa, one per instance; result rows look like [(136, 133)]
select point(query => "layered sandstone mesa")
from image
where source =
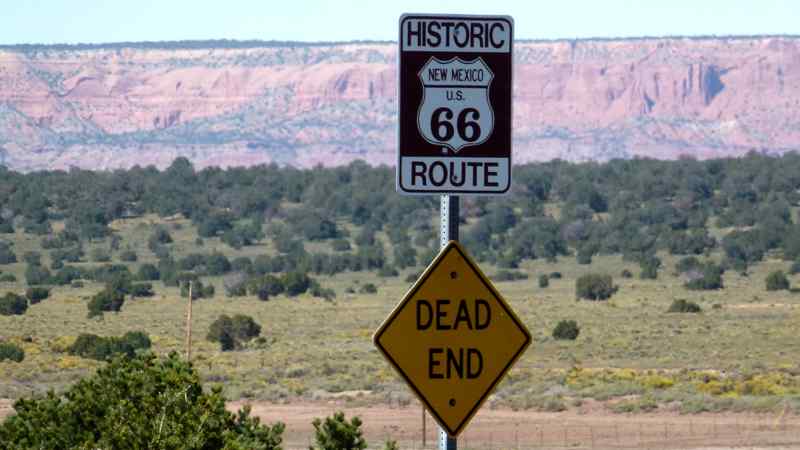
[(228, 103)]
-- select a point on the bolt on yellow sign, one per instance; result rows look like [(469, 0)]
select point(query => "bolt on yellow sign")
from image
[(452, 338)]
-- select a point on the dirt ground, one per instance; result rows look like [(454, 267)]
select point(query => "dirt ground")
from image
[(586, 427)]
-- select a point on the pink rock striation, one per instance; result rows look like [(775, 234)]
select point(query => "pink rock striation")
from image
[(304, 105)]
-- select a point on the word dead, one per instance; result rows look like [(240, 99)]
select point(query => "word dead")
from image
[(436, 315), (441, 315)]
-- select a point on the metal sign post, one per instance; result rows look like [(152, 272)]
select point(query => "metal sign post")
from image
[(448, 211), (448, 231), (453, 337)]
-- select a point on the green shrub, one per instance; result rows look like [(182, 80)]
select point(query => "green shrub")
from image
[(161, 252), (32, 258), (412, 277), (263, 295), (128, 256), (8, 278), (387, 271), (649, 266), (313, 225), (404, 255), (37, 275), (244, 327), (89, 346), (777, 281), (105, 300), (199, 290), (7, 255), (368, 288), (137, 403), (320, 292), (159, 236), (566, 330), (120, 284), (142, 290), (71, 255), (708, 278), (738, 264), (626, 273), (217, 264), (13, 305), (688, 264), (67, 275), (230, 332), (336, 433), (101, 348), (207, 291), (148, 272), (682, 306), (555, 275), (235, 284), (265, 287), (101, 255), (340, 245), (594, 287), (110, 273), (544, 281), (37, 294), (584, 257), (11, 352), (296, 283), (242, 264), (510, 275), (226, 342)]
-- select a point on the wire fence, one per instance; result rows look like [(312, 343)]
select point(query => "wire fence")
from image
[(632, 435), (687, 434)]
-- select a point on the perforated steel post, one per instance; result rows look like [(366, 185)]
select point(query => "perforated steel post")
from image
[(448, 231), (448, 211)]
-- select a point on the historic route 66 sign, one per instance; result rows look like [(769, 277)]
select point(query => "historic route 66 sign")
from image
[(455, 110), (455, 104)]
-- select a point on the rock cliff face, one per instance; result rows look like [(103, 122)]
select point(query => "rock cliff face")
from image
[(118, 106)]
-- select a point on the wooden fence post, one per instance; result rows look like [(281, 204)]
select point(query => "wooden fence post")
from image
[(189, 326), (423, 427)]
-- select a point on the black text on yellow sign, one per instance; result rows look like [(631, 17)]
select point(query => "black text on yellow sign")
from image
[(438, 316), (452, 338)]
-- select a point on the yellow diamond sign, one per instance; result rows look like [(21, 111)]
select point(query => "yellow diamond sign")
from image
[(452, 338)]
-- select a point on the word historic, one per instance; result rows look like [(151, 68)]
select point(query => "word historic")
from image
[(458, 34)]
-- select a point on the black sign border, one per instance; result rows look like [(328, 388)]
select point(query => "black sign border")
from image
[(398, 178), (452, 245)]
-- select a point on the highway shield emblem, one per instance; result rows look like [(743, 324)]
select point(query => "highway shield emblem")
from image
[(455, 111)]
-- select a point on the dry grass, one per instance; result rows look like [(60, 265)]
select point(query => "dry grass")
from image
[(314, 348)]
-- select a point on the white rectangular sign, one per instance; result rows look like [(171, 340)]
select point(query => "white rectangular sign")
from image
[(455, 117)]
